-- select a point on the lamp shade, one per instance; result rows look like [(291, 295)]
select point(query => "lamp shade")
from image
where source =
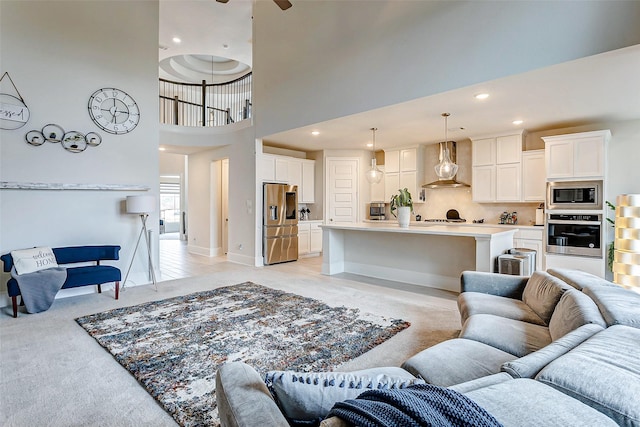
[(141, 204), (626, 261)]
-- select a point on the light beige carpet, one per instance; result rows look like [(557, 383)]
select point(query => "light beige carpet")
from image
[(53, 373)]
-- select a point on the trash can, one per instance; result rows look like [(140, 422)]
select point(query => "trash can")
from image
[(517, 261)]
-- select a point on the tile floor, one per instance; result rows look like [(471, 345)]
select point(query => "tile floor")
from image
[(177, 263)]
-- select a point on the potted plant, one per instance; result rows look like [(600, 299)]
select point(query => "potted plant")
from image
[(403, 203)]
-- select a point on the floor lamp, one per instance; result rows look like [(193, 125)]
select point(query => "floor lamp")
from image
[(143, 206)]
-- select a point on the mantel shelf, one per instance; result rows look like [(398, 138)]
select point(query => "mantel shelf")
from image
[(8, 185)]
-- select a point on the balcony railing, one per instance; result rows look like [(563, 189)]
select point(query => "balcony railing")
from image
[(218, 104)]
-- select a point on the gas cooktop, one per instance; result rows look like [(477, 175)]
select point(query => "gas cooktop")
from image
[(445, 220)]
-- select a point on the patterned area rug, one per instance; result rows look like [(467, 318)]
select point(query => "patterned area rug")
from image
[(175, 346)]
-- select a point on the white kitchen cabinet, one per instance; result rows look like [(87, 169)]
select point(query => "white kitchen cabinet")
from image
[(496, 166), (304, 237), (315, 244), (508, 182), (295, 174), (290, 170), (267, 168), (531, 239), (392, 161), (576, 156), (404, 168), (483, 184), (273, 168), (508, 149), (391, 184), (309, 237), (533, 176), (282, 169)]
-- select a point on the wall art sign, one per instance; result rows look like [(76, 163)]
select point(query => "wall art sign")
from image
[(14, 113)]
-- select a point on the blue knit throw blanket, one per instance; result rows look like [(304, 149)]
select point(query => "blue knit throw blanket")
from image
[(416, 405)]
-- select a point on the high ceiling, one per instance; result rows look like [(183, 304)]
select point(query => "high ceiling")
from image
[(601, 88)]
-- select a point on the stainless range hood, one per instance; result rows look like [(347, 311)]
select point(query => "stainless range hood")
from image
[(447, 183)]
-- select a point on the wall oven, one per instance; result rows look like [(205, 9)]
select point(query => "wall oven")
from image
[(575, 234), (568, 195)]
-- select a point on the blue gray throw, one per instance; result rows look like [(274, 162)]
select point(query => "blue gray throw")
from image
[(39, 289), (416, 405)]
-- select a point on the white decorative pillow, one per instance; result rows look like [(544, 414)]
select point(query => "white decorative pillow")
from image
[(31, 260), (307, 397)]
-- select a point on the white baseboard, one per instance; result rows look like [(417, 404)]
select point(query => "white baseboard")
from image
[(240, 259), (200, 250)]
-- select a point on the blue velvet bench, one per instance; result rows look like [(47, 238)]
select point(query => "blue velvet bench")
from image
[(84, 275)]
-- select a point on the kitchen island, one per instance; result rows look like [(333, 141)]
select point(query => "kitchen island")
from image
[(426, 255)]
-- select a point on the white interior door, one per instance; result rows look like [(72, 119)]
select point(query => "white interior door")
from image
[(342, 190), (224, 205)]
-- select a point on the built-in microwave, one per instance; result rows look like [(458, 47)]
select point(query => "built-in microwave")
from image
[(376, 211), (574, 195)]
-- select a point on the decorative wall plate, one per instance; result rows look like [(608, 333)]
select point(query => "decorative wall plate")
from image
[(52, 132), (74, 141), (35, 137)]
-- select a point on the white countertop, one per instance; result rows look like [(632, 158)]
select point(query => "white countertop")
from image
[(424, 228), (459, 224)]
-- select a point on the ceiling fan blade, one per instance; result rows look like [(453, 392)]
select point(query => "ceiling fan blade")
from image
[(283, 4), (222, 1)]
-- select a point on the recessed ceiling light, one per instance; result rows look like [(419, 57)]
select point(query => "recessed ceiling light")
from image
[(482, 96), (518, 122), (162, 149), (176, 40), (315, 133), (370, 144)]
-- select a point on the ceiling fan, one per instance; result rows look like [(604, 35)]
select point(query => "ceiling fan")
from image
[(283, 4)]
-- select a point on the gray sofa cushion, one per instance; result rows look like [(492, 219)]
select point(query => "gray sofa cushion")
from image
[(456, 361), (577, 278), (618, 306), (512, 336), (243, 398), (470, 303), (309, 396), (603, 372), (542, 293), (525, 402), (528, 366), (572, 311), (503, 285), (468, 386)]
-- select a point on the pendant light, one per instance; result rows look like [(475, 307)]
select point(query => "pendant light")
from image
[(374, 175), (446, 169)]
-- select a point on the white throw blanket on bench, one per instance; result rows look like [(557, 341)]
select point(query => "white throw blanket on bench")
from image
[(39, 289)]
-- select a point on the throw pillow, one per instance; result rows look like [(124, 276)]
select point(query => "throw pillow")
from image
[(306, 398), (31, 260)]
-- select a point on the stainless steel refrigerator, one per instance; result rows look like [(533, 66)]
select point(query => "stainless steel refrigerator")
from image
[(280, 223)]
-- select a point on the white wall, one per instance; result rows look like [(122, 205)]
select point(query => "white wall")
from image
[(58, 54), (172, 164), (202, 209), (325, 59)]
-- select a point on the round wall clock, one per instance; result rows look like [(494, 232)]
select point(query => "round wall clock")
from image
[(114, 111)]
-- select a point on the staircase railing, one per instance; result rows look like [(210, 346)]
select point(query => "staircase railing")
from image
[(205, 104)]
